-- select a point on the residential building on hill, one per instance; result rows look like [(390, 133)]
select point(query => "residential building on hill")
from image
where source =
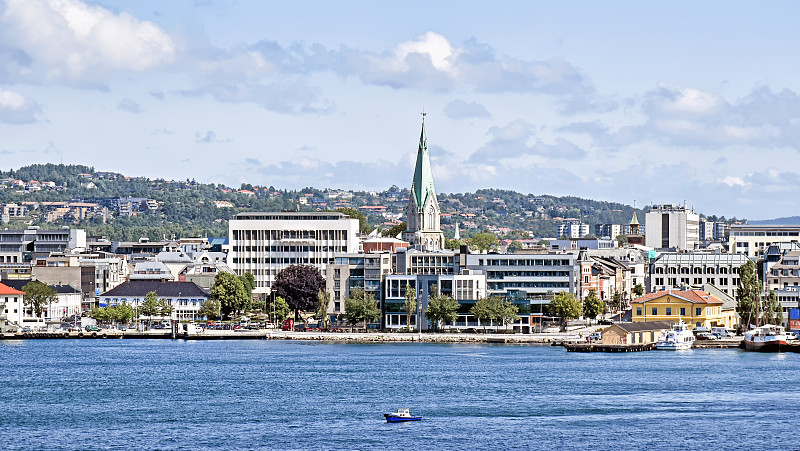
[(19, 246)]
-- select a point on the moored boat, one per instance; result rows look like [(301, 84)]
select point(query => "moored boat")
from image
[(676, 339), (400, 416), (767, 338)]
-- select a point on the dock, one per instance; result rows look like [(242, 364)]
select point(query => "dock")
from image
[(599, 347)]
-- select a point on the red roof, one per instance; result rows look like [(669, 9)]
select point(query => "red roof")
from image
[(5, 289), (693, 296)]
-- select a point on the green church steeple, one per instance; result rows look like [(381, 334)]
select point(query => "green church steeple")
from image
[(422, 187)]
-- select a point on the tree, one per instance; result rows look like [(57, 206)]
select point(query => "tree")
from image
[(395, 230), (592, 306), (149, 307), (484, 241), (123, 313), (37, 296), (249, 282), (505, 312), (231, 293), (441, 309), (638, 290), (772, 311), (100, 314), (495, 308), (279, 309), (747, 294), (361, 306), (618, 300), (299, 285), (324, 300), (363, 225), (410, 304), (565, 306), (210, 309), (515, 246), (165, 308)]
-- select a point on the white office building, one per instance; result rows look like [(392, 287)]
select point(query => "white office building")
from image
[(672, 227), (265, 243)]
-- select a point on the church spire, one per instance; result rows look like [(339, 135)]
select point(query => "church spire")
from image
[(422, 187), (423, 229)]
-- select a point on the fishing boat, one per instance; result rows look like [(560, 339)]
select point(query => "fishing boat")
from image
[(676, 339), (767, 338), (400, 416)]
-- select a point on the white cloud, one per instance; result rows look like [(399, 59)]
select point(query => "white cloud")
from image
[(518, 139), (733, 181), (129, 106), (460, 109), (71, 40), (16, 109)]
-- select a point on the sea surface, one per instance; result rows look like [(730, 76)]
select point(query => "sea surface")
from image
[(196, 395)]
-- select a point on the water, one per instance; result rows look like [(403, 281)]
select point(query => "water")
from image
[(164, 394)]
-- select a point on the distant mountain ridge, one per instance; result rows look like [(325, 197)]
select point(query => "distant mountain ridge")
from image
[(788, 220)]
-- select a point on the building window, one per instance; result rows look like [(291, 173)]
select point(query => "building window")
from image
[(683, 311), (698, 310), (638, 311), (654, 311), (669, 311)]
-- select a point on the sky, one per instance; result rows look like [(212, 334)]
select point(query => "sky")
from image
[(678, 102)]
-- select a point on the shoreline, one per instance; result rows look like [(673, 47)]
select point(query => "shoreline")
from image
[(541, 339)]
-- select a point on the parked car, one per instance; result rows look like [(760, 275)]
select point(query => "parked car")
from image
[(705, 336), (91, 328), (605, 322), (596, 336)]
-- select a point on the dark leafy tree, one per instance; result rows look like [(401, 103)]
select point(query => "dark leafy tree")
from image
[(363, 225), (149, 307), (395, 230), (593, 306), (299, 286), (441, 309), (565, 306), (361, 306), (38, 296), (410, 304), (210, 309), (747, 294), (231, 293)]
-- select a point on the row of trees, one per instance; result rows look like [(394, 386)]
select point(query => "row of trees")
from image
[(152, 306)]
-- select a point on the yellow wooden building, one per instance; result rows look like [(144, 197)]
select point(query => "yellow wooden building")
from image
[(695, 307)]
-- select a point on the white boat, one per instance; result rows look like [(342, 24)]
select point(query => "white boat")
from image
[(767, 338), (676, 339)]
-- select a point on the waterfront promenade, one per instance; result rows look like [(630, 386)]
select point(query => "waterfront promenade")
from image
[(544, 339)]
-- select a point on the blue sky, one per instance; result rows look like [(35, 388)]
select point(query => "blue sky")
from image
[(668, 102)]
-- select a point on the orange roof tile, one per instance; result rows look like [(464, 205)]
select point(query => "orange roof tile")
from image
[(5, 289), (693, 296)]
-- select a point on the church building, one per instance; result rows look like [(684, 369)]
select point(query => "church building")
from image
[(423, 228)]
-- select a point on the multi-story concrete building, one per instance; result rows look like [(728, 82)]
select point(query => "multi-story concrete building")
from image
[(753, 240), (672, 227), (608, 230), (265, 243), (785, 273), (693, 269), (350, 271), (18, 246), (527, 280), (573, 229)]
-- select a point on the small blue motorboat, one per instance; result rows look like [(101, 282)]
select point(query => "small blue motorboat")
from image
[(400, 416)]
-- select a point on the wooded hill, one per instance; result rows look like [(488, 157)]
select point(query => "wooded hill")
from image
[(188, 208)]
